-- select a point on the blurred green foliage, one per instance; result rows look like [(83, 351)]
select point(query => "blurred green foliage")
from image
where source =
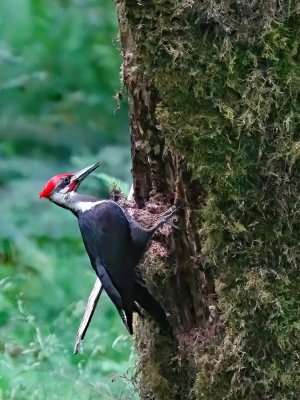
[(59, 71)]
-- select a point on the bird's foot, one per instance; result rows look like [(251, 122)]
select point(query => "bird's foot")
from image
[(169, 214), (165, 220)]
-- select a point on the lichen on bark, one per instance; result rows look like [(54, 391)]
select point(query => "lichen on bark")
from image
[(214, 111)]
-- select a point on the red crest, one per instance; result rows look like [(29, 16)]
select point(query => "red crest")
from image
[(50, 185)]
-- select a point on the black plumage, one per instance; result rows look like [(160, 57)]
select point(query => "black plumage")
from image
[(115, 244)]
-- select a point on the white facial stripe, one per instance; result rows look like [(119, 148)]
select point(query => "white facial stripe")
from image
[(57, 197), (64, 190)]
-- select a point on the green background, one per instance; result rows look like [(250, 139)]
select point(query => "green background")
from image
[(59, 71)]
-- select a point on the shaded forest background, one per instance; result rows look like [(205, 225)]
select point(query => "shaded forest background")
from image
[(59, 71)]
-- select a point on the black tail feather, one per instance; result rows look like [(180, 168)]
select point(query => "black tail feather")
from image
[(149, 304), (129, 321), (137, 310)]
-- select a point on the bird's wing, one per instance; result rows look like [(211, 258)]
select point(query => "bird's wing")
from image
[(106, 235), (113, 294)]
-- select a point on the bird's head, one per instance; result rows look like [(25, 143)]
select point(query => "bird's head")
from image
[(60, 187)]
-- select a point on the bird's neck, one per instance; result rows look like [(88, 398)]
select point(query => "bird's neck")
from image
[(75, 202)]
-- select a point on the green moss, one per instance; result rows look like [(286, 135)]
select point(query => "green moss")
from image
[(158, 385), (156, 362), (230, 105)]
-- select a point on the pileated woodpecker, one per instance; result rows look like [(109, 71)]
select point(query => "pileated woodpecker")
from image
[(115, 243)]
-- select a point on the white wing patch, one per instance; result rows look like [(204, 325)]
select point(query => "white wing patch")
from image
[(86, 205), (89, 205)]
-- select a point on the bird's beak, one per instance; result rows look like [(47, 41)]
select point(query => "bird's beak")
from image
[(81, 175)]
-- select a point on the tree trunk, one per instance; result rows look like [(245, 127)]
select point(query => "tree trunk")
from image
[(215, 115)]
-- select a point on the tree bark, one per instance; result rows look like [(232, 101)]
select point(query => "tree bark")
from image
[(214, 103)]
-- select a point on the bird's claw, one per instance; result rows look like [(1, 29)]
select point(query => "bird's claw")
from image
[(172, 225), (165, 220), (168, 214)]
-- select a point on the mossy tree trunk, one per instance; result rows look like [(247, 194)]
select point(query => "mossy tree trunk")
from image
[(215, 125)]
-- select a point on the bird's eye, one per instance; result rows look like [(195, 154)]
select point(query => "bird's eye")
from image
[(67, 180)]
